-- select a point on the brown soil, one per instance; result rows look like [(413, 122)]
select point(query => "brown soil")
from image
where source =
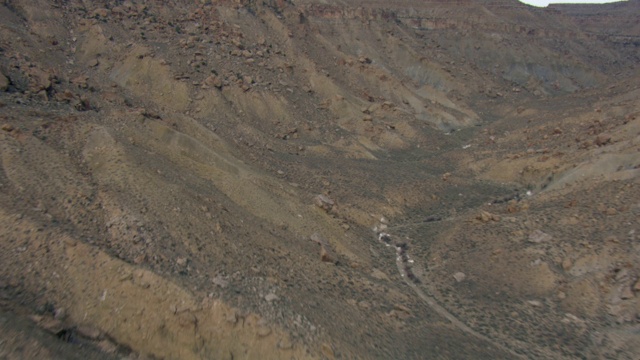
[(360, 179)]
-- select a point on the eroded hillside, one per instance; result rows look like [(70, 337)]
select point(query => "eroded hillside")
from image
[(359, 179)]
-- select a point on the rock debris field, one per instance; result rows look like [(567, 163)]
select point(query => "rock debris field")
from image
[(319, 179)]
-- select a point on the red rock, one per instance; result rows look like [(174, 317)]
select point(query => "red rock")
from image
[(325, 254), (40, 79), (80, 81), (214, 81), (603, 139), (65, 96)]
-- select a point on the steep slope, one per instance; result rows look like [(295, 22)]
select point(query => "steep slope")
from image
[(200, 179)]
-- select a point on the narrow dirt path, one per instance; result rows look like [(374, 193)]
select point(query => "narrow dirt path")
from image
[(402, 260)]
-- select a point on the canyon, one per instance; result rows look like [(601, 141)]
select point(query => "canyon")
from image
[(319, 179)]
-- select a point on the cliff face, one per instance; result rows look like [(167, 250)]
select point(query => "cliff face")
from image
[(513, 42), (616, 23), (200, 179)]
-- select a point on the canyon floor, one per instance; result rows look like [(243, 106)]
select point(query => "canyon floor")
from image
[(337, 180)]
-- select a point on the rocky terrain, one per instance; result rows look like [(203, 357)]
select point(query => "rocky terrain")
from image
[(319, 179)]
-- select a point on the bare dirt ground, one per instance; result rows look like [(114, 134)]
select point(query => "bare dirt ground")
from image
[(278, 180)]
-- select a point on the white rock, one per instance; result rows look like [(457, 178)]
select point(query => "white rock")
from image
[(459, 276), (539, 236), (220, 281), (534, 303)]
